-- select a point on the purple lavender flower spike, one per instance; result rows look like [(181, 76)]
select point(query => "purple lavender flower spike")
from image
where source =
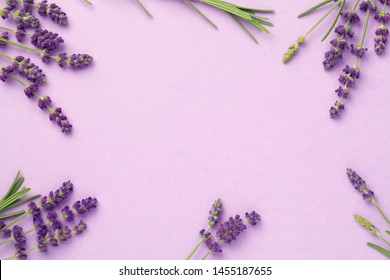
[(79, 61), (44, 39), (336, 110), (67, 214), (382, 16), (229, 230), (20, 34), (53, 220), (332, 58), (213, 246), (252, 218), (52, 200), (31, 90), (20, 242), (28, 69), (368, 5), (350, 16), (360, 185), (205, 235), (79, 228), (215, 213), (27, 6), (85, 205), (381, 33), (358, 50), (44, 102), (51, 239), (344, 30), (53, 11), (25, 20), (6, 11), (5, 71), (4, 36), (63, 234), (60, 119), (6, 233)]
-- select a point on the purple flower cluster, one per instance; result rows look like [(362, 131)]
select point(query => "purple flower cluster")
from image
[(339, 44), (52, 217), (368, 5), (85, 205), (5, 71), (213, 246), (215, 213), (205, 235), (360, 185), (75, 61), (79, 228), (347, 80), (20, 242), (25, 20), (6, 233), (45, 39), (6, 11), (229, 230), (60, 119), (39, 227), (53, 11), (381, 32), (52, 200), (29, 70), (252, 218), (3, 36)]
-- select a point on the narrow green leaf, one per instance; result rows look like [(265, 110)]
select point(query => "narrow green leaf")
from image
[(202, 14), (21, 201), (17, 186), (262, 21), (334, 21), (243, 28), (379, 249), (9, 200), (388, 232), (228, 7), (256, 24), (13, 214), (319, 5), (11, 187), (246, 9)]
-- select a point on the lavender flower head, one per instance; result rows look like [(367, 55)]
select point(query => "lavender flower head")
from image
[(5, 71), (63, 234), (6, 233), (79, 228), (360, 185), (28, 69), (350, 16), (39, 227), (53, 11), (44, 102), (51, 201), (381, 32), (358, 50), (3, 36), (229, 230), (28, 6), (215, 213), (20, 242), (44, 39), (205, 235), (213, 246), (74, 61), (31, 89), (52, 217), (25, 20), (60, 119), (366, 224), (368, 5), (252, 218), (85, 205)]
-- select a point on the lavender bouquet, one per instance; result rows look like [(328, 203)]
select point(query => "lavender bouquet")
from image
[(368, 195), (51, 231), (44, 43), (226, 232), (348, 14)]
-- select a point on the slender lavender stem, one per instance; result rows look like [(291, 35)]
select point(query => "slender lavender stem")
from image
[(20, 46), (323, 17), (201, 240), (380, 211), (143, 8), (207, 255), (14, 221)]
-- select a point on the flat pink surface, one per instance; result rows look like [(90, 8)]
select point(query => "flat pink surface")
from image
[(174, 114)]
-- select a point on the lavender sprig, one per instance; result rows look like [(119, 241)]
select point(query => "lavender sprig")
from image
[(370, 227), (383, 17), (229, 231), (368, 195), (214, 216), (350, 74), (293, 49)]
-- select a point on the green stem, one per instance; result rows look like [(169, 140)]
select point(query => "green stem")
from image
[(201, 240), (26, 252), (143, 8), (88, 2), (18, 80), (365, 27), (7, 29), (380, 211), (6, 56), (202, 14), (323, 17), (9, 215), (243, 27), (20, 46), (207, 255), (319, 5), (14, 221), (384, 239)]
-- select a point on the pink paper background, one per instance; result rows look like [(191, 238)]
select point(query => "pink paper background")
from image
[(174, 114)]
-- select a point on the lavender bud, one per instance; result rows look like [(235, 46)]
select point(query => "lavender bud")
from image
[(360, 185), (60, 119), (79, 228), (53, 11), (228, 231), (213, 246), (44, 102), (252, 218)]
